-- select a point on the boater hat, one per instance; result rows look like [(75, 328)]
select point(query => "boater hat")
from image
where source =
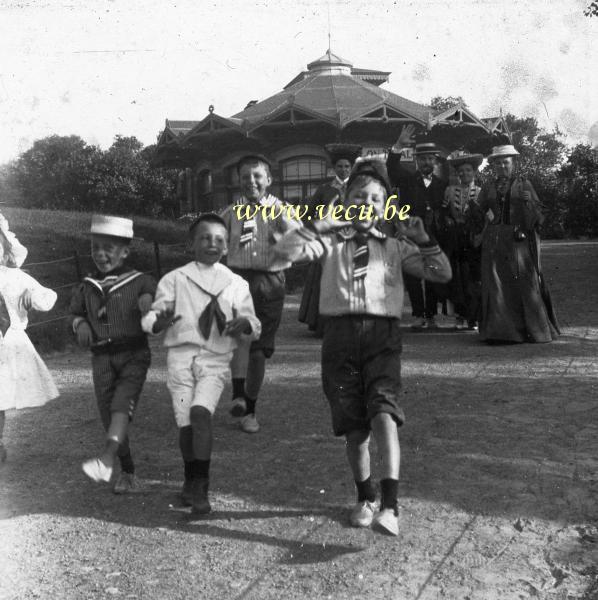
[(503, 151), (426, 148), (113, 226), (462, 157), (349, 152)]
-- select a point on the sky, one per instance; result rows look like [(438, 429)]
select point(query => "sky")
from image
[(101, 68)]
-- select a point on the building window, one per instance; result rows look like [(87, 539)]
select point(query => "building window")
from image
[(300, 178)]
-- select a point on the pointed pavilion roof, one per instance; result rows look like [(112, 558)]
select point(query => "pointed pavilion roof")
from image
[(330, 91)]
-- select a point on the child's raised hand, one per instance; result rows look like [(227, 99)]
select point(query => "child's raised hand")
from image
[(164, 320), (84, 334), (237, 326), (413, 228), (327, 219), (144, 302)]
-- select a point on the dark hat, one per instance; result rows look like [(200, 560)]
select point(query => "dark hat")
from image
[(373, 168), (337, 152), (426, 148), (253, 158)]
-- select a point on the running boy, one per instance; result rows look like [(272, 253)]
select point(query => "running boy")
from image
[(251, 256), (362, 298), (106, 311), (205, 309)]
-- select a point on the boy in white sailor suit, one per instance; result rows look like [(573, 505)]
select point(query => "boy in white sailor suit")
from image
[(205, 309), (106, 310)]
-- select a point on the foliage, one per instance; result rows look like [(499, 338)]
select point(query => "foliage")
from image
[(64, 172), (591, 9), (579, 186), (442, 103)]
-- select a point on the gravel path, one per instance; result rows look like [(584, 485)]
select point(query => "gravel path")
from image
[(498, 485)]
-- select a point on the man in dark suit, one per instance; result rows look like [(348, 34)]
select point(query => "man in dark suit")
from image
[(423, 191)]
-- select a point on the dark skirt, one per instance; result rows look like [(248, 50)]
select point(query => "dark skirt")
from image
[(309, 309), (515, 301)]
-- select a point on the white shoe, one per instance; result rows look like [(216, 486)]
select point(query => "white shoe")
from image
[(249, 424), (95, 469), (362, 514), (386, 521), (239, 407), (126, 483)]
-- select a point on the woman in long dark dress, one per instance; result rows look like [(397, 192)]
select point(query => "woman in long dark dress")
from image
[(458, 201), (516, 304), (342, 157)]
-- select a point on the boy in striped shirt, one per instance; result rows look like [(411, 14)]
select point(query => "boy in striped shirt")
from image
[(251, 255), (361, 296), (106, 311)]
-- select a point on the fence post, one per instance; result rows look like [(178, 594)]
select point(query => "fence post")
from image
[(77, 265), (157, 255)]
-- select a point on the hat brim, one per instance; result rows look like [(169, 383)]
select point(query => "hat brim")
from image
[(475, 160), (504, 155)]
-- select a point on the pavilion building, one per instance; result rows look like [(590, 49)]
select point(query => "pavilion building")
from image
[(331, 101)]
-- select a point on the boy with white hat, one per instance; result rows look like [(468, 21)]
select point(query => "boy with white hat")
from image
[(106, 310)]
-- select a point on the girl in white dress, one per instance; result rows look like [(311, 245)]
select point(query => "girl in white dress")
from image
[(24, 377)]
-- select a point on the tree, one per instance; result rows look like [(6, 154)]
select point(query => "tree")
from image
[(591, 9), (64, 172), (442, 103), (579, 189), (56, 172)]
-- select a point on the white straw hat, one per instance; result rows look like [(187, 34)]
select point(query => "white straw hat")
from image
[(503, 151), (112, 226)]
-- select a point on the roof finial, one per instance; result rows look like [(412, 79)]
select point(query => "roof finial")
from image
[(329, 42), (211, 108)]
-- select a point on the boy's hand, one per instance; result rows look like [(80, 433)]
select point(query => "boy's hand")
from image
[(164, 320), (405, 137), (328, 222), (84, 334), (144, 302), (27, 300), (237, 326), (413, 229)]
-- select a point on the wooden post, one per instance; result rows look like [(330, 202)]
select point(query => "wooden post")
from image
[(77, 265), (157, 256)]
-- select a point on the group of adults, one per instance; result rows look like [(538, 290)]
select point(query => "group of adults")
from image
[(490, 234)]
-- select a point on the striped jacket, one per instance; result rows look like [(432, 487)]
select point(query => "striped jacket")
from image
[(110, 304), (257, 253)]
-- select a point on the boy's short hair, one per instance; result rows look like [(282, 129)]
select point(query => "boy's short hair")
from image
[(252, 159), (369, 170), (206, 218)]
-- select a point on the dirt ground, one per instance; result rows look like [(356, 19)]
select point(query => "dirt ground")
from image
[(498, 490)]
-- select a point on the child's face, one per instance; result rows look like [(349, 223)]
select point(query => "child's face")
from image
[(371, 194), (255, 180), (209, 242), (108, 253)]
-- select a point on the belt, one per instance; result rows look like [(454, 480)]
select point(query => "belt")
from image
[(113, 345)]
